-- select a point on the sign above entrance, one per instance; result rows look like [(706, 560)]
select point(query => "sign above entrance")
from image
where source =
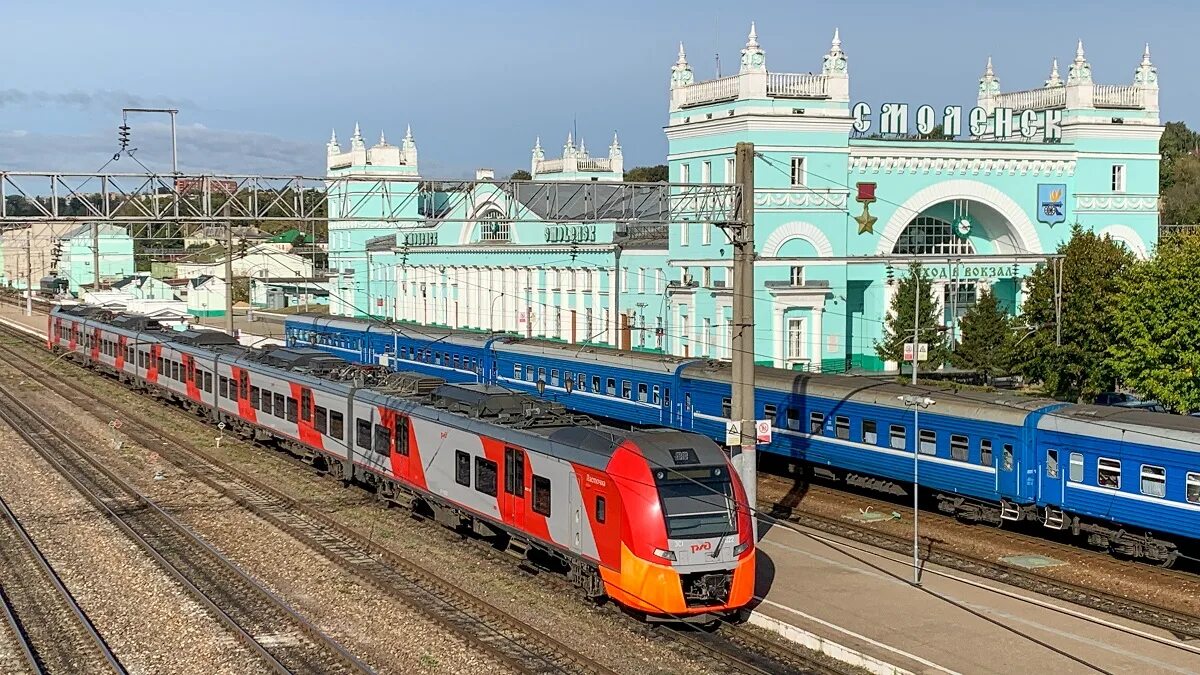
[(1002, 123)]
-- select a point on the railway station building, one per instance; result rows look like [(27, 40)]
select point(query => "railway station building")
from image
[(846, 194)]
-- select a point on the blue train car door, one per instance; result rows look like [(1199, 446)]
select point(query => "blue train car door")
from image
[(1007, 471), (1050, 489)]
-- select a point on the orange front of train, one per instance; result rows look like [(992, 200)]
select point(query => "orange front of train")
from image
[(687, 542)]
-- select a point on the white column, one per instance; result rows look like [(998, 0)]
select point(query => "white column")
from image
[(818, 344), (594, 283), (564, 309), (614, 324)]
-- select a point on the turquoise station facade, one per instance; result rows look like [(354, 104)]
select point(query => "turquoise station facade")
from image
[(846, 194)]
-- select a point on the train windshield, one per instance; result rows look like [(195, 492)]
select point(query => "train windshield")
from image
[(697, 502)]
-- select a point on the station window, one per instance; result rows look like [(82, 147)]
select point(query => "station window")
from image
[(643, 394), (726, 408), (1154, 481), (841, 427), (793, 418), (626, 389), (928, 441), (1075, 467), (870, 433), (541, 495), (897, 437), (462, 468), (601, 510), (362, 433), (383, 440), (320, 418), (485, 476), (985, 452), (815, 422), (959, 447), (1193, 488), (1108, 473), (336, 424)]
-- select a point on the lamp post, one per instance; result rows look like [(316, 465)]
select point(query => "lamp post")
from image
[(917, 402)]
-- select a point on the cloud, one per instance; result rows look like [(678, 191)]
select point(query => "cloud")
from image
[(105, 99)]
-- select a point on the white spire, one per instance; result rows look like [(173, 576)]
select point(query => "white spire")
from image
[(836, 45), (752, 39), (1146, 74), (834, 63), (987, 71), (1146, 55), (537, 144), (989, 84), (333, 137), (682, 61), (408, 133), (681, 72), (1054, 80), (332, 146), (357, 133), (356, 140), (1080, 71), (382, 138), (753, 58), (616, 141), (1079, 52)]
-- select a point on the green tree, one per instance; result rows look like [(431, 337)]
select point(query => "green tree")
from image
[(520, 174), (1157, 345), (648, 174), (987, 339), (1181, 200), (899, 326), (1177, 141), (1079, 369)]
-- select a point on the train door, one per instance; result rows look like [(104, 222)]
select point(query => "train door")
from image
[(1007, 471), (402, 457), (575, 508), (512, 501), (1051, 481), (94, 345)]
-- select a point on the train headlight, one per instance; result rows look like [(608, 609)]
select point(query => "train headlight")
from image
[(665, 555), (740, 548)]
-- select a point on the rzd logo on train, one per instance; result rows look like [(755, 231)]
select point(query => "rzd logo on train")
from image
[(706, 546)]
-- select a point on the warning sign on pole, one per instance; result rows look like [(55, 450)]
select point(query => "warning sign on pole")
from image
[(733, 432), (922, 351), (762, 431)]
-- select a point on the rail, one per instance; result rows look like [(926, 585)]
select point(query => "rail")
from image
[(1116, 96), (712, 91), (1046, 98)]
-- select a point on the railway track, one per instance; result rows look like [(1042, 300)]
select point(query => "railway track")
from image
[(49, 631), (734, 649), (283, 639), (488, 628)]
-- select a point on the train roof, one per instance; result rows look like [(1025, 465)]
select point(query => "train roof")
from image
[(416, 332), (597, 355), (1179, 432), (1002, 407)]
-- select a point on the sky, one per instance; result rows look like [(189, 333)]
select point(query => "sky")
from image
[(260, 84)]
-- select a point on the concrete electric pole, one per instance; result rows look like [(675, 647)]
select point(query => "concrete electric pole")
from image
[(95, 256), (745, 458), (228, 274)]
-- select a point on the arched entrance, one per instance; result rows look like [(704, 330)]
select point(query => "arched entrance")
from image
[(937, 238)]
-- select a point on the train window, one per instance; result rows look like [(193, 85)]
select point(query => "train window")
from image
[(457, 363), (667, 396), (245, 385), (306, 405), (223, 387), (383, 440), (985, 452), (626, 389), (279, 399), (959, 447), (401, 424), (1154, 481), (462, 468), (541, 376), (485, 476), (1075, 467), (582, 385), (815, 422), (793, 418), (1193, 488), (610, 386), (870, 433), (291, 409), (726, 408), (770, 411), (1052, 464), (687, 401), (336, 424), (514, 472), (595, 384), (554, 376), (541, 495), (928, 441), (601, 510), (841, 427), (655, 397), (362, 433), (208, 382), (643, 392), (175, 371), (160, 366), (1007, 457), (254, 403), (320, 418), (1108, 473), (129, 354), (529, 373), (517, 371), (897, 437)]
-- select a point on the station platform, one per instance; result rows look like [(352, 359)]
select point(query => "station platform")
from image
[(15, 316), (862, 608)]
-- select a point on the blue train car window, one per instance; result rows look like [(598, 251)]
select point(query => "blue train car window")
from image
[(1052, 464), (626, 389), (595, 384), (726, 408), (554, 376), (928, 441), (666, 396), (582, 382), (687, 401), (1076, 467), (541, 375), (815, 422), (870, 433), (610, 386), (985, 453), (1193, 488), (1154, 481), (518, 371), (841, 427), (1108, 473), (1008, 457), (643, 392), (793, 419), (959, 447), (770, 411), (897, 437)]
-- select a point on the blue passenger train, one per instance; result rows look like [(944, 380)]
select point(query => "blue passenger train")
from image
[(1128, 480)]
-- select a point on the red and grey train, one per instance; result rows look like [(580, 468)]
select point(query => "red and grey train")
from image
[(655, 520)]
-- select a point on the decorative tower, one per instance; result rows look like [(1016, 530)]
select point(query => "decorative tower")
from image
[(570, 158), (332, 147), (538, 156), (1080, 88), (616, 158), (408, 149), (1054, 80), (358, 148), (989, 87), (753, 71), (681, 72), (1145, 78), (833, 67)]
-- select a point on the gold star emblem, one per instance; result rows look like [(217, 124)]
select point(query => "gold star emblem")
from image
[(866, 222)]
